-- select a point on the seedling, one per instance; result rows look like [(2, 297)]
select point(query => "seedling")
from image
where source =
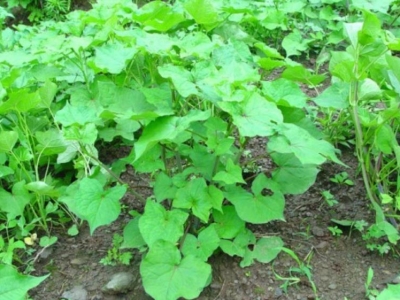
[(115, 255), (335, 231), (329, 198), (342, 178)]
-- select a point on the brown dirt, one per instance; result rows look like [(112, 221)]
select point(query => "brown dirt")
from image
[(339, 264)]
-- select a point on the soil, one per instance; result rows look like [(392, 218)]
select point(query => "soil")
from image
[(339, 265)]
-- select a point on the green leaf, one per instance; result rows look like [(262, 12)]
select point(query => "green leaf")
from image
[(301, 74), (167, 276), (267, 249), (369, 90), (335, 96), (352, 30), (292, 176), (166, 129), (86, 134), (47, 93), (384, 139), (21, 101), (284, 92), (112, 58), (256, 208), (204, 245), (306, 148), (164, 187), (8, 139), (202, 11), (240, 245), (42, 188), (216, 197), (132, 236), (158, 224), (157, 15), (294, 44), (392, 292), (197, 44), (79, 115), (15, 286), (227, 223), (181, 78), (14, 203), (50, 142), (94, 204), (194, 196), (233, 174), (255, 116)]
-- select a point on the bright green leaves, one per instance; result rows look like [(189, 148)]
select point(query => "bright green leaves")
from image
[(264, 205), (8, 139), (168, 276), (79, 115), (233, 174), (284, 92), (158, 224), (166, 129), (112, 58), (292, 176), (181, 78), (15, 286), (195, 196), (14, 203), (157, 15), (335, 96), (255, 116), (21, 101), (307, 149), (204, 245), (88, 200), (203, 12)]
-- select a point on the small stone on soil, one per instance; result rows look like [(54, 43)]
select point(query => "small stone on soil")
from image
[(77, 293), (120, 283)]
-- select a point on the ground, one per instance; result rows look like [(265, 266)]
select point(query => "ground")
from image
[(339, 265)]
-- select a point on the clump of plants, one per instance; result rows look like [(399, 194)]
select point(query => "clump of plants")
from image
[(183, 86)]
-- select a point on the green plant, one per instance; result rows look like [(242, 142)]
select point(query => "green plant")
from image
[(329, 198), (335, 231), (114, 255), (297, 274), (342, 178)]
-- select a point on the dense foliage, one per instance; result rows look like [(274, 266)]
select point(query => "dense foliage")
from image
[(187, 86)]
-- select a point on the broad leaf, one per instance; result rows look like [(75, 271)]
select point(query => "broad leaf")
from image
[(14, 203), (255, 116), (335, 96), (292, 176), (132, 236), (204, 245), (158, 224), (194, 196), (8, 139), (227, 223), (256, 208), (94, 204), (15, 286), (167, 276), (284, 92), (306, 148), (233, 174)]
